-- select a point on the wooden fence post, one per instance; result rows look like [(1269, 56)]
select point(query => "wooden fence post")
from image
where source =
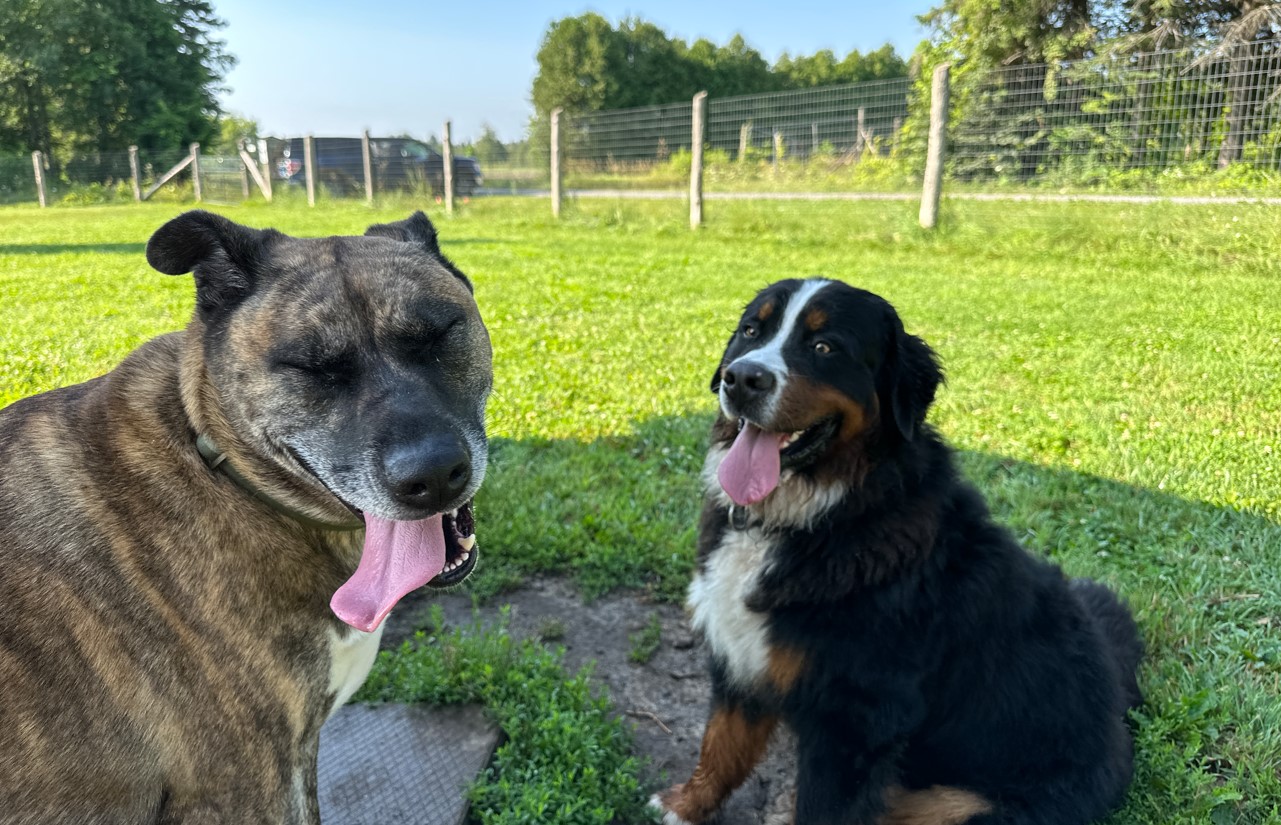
[(37, 163), (367, 159), (778, 147), (194, 151), (744, 140), (860, 136), (814, 138), (308, 169), (933, 188), (250, 169), (555, 153), (135, 174), (265, 161), (698, 137), (447, 167)]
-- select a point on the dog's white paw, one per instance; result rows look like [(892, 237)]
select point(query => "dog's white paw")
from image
[(668, 817)]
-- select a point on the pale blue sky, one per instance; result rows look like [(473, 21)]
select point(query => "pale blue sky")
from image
[(337, 67)]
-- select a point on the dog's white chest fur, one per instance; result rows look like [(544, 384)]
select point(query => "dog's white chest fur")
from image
[(717, 599), (351, 655)]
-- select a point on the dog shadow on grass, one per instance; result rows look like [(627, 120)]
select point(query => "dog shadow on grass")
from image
[(76, 248), (619, 514)]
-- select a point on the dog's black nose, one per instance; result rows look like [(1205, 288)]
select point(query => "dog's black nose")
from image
[(427, 474), (746, 382)]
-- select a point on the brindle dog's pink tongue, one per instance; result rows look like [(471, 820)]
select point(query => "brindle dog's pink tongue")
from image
[(399, 556), (750, 469)]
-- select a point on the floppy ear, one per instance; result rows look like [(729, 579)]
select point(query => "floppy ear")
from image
[(914, 376), (417, 229), (224, 256)]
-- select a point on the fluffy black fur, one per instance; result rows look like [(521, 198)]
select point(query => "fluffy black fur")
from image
[(937, 651)]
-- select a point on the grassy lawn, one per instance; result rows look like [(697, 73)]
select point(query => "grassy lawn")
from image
[(1114, 385)]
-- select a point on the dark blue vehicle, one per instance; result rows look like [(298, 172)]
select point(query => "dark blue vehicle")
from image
[(397, 163)]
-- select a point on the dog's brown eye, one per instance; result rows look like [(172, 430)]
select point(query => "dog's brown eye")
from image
[(822, 348), (749, 331)]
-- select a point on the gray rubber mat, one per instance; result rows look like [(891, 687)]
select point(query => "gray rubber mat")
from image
[(401, 764)]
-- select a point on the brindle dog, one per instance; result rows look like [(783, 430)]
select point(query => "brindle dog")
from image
[(171, 534)]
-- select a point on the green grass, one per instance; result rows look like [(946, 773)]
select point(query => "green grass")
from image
[(646, 640), (1114, 389), (830, 172), (565, 760)]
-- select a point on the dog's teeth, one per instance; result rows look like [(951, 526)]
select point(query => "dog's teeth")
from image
[(742, 422), (467, 543), (453, 513)]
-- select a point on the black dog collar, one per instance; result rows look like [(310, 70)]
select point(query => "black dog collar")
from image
[(217, 461)]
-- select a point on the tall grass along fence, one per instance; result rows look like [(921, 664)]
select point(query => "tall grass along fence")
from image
[(1195, 122)]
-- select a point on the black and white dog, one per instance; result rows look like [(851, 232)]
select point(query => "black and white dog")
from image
[(851, 585)]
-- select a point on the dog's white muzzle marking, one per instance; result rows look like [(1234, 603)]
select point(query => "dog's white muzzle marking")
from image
[(770, 356)]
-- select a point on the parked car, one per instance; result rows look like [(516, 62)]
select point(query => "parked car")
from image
[(397, 163)]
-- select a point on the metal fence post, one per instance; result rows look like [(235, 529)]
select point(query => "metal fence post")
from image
[(308, 169), (194, 149), (135, 174), (933, 189), (367, 159), (447, 167), (266, 168), (697, 137), (555, 153), (37, 163)]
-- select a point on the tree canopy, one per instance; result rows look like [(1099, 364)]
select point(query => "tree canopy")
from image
[(585, 63), (103, 74)]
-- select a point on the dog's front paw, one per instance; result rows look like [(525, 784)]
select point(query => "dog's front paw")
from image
[(666, 805)]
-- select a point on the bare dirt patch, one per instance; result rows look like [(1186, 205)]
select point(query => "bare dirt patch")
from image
[(666, 698)]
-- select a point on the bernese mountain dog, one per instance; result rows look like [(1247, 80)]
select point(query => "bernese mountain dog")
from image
[(851, 585)]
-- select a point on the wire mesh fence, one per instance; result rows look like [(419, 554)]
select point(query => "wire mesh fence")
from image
[(647, 147), (1196, 120), (1168, 120)]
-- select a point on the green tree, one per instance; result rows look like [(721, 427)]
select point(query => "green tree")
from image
[(488, 148), (654, 68), (822, 68), (82, 75), (733, 69), (234, 130), (579, 63), (585, 64), (998, 32)]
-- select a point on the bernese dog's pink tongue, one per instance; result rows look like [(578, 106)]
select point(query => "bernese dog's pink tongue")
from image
[(399, 556), (750, 469)]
